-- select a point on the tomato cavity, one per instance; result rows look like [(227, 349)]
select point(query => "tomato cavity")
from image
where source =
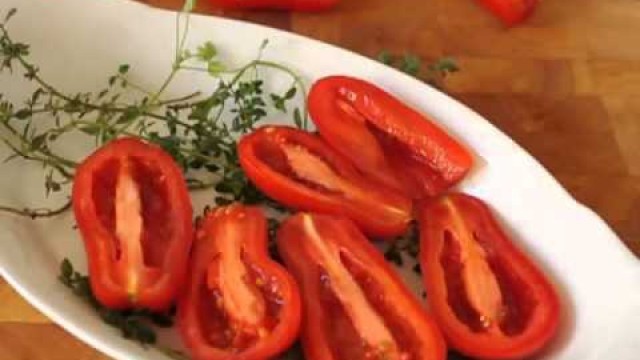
[(301, 164), (157, 227), (515, 303), (235, 313), (357, 330), (519, 303), (407, 340), (103, 197)]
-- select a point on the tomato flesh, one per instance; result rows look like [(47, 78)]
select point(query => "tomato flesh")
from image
[(356, 308), (154, 207), (131, 201), (133, 210), (234, 295)]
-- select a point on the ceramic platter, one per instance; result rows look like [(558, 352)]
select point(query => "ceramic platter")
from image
[(79, 43)]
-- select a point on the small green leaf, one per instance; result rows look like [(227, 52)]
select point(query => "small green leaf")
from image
[(385, 57), (291, 93), (102, 93), (38, 141), (23, 114), (207, 51), (263, 45), (214, 68), (278, 102), (123, 69), (130, 114), (66, 269), (410, 64), (445, 65), (10, 14)]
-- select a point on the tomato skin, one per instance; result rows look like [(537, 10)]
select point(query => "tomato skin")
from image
[(246, 225), (511, 12), (529, 299), (324, 333), (158, 284), (294, 5), (380, 211), (386, 139)]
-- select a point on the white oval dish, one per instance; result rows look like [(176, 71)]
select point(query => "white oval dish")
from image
[(78, 43)]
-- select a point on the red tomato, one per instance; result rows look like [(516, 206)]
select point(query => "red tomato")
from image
[(489, 299), (295, 5), (355, 305), (511, 12), (384, 138), (238, 304), (299, 170), (133, 209)]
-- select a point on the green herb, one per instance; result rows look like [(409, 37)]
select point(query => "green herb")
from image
[(434, 73), (408, 244), (200, 130), (133, 324)]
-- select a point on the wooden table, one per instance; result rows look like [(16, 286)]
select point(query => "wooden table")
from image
[(566, 86)]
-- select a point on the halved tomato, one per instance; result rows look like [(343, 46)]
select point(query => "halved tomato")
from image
[(488, 297), (355, 305), (300, 170), (385, 139)]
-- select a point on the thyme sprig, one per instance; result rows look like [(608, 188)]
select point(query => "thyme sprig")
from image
[(137, 325), (433, 73), (198, 130), (407, 244)]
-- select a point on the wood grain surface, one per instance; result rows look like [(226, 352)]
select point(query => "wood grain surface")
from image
[(565, 86)]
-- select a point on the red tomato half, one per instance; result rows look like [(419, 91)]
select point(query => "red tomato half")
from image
[(511, 12), (300, 170), (384, 138), (133, 209), (355, 306), (239, 304), (489, 299)]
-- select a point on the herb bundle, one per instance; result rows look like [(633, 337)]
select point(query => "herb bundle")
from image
[(133, 324), (194, 128)]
